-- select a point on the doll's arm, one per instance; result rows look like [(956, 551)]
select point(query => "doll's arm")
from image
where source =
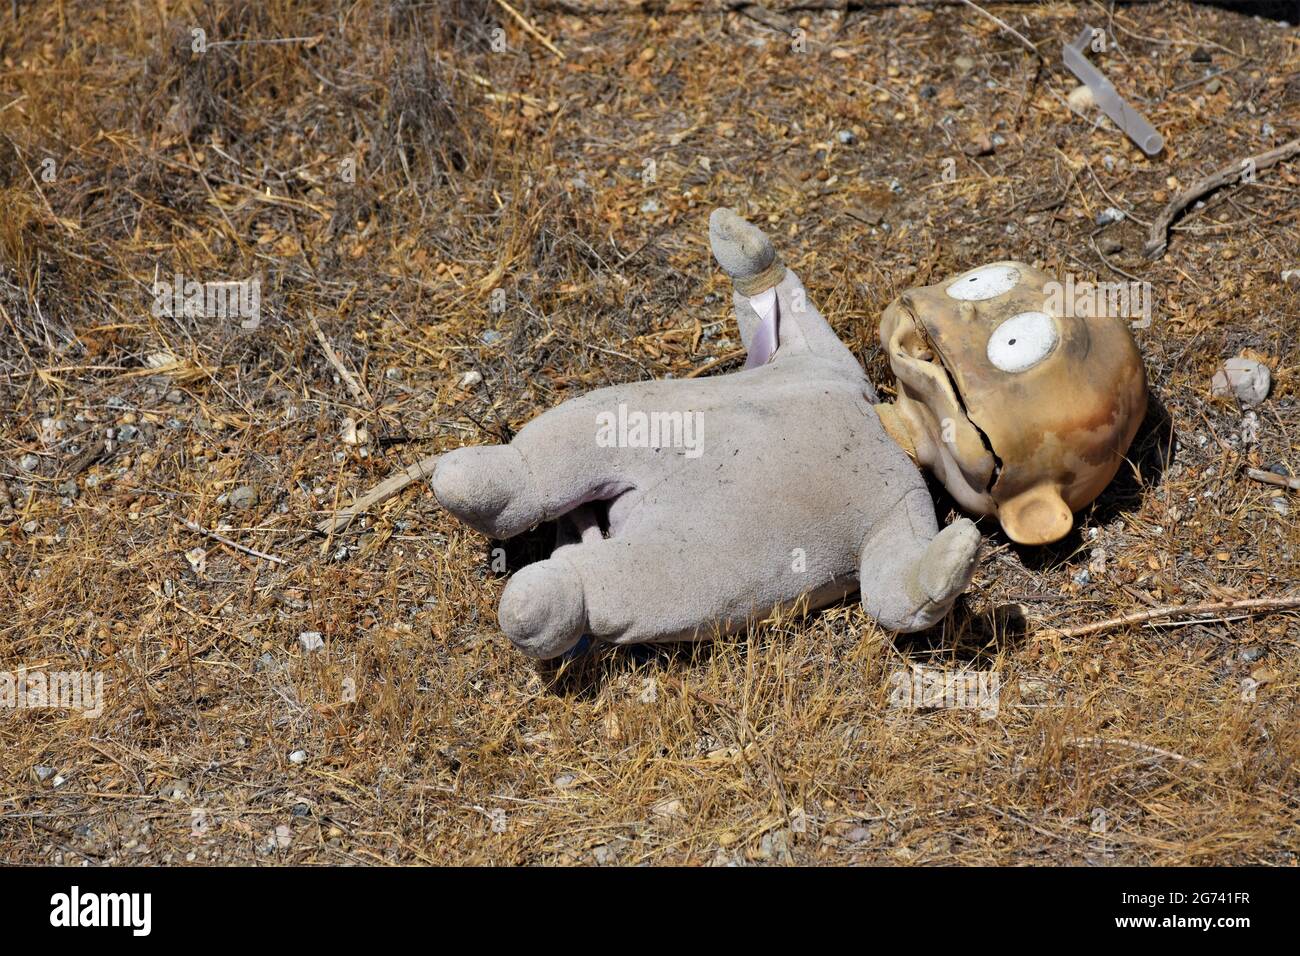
[(910, 572), (773, 310)]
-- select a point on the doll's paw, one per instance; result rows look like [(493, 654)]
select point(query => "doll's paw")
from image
[(945, 569), (543, 611), (477, 485), (740, 247)]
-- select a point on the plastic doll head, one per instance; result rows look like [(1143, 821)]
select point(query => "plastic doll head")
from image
[(1022, 410)]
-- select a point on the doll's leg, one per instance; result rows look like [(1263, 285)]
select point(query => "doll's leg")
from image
[(772, 307), (911, 573)]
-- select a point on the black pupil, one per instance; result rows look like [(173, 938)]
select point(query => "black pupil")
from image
[(1011, 342)]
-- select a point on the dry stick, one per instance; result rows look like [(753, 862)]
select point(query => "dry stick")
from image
[(1269, 478), (1250, 605), (715, 362), (1157, 239), (379, 494), (760, 14), (1003, 24), (199, 529), (1134, 744), (359, 393), (531, 30)]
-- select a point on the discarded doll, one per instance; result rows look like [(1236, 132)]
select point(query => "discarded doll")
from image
[(692, 507)]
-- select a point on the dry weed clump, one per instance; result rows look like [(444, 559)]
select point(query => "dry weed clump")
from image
[(439, 206)]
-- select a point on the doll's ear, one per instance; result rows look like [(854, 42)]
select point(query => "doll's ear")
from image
[(1036, 516)]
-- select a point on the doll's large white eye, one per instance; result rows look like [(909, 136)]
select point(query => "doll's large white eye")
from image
[(1022, 341), (986, 282)]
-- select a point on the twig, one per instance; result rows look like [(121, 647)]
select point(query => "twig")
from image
[(1135, 745), (714, 363), (199, 529), (531, 30), (1157, 239), (1250, 605), (760, 14), (377, 495), (358, 392), (91, 454), (1269, 478), (1004, 25)]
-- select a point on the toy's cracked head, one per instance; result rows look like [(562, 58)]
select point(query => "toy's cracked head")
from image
[(1021, 410)]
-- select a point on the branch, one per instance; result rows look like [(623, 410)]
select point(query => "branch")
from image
[(377, 495), (1156, 239), (1249, 606), (199, 529), (355, 387), (1269, 478)]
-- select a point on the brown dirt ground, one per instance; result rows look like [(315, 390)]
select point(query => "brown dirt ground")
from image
[(518, 170)]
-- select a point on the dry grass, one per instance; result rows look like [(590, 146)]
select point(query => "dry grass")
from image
[(479, 170)]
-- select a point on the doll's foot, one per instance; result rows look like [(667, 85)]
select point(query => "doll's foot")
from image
[(543, 610), (744, 253), (944, 570)]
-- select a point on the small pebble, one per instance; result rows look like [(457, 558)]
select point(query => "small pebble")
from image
[(605, 854), (29, 462), (1251, 654), (650, 206), (1109, 245), (298, 756), (1108, 215), (471, 378), (1082, 577), (1244, 378), (981, 144), (846, 137), (351, 434), (43, 773), (311, 641), (490, 336), (244, 497), (69, 489), (964, 63), (1213, 86), (669, 808), (1082, 99), (1250, 428), (1279, 504)]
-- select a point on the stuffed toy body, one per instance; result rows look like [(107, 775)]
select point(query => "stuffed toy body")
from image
[(695, 506)]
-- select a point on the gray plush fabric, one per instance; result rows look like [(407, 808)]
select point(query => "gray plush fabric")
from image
[(771, 487)]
